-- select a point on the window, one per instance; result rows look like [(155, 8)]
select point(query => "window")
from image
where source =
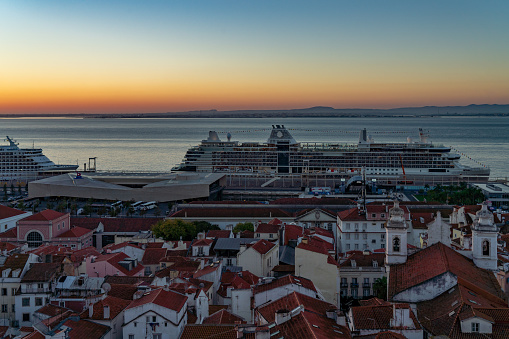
[(356, 246), (13, 308), (154, 318), (364, 226), (485, 249), (347, 236), (271, 235), (40, 285), (347, 247), (382, 245), (395, 244), (4, 308), (13, 291), (4, 291), (382, 236), (157, 336), (229, 262), (356, 225), (25, 302), (365, 292), (356, 236), (38, 301), (347, 225), (200, 250), (475, 327), (26, 316), (257, 235), (364, 236), (373, 215), (131, 336), (34, 239)]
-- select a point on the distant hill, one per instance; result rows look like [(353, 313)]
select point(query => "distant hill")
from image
[(317, 111)]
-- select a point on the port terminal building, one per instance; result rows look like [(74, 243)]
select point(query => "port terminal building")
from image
[(161, 187)]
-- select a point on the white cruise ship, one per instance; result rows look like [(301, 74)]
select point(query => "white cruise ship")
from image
[(26, 164), (412, 162)]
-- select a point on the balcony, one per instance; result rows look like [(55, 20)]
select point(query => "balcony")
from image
[(344, 285), (366, 285), (354, 285)]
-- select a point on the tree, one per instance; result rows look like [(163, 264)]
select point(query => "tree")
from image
[(243, 226), (157, 211), (380, 288), (50, 205), (87, 209), (204, 226), (174, 229)]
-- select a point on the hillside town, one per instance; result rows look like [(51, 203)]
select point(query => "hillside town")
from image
[(316, 267)]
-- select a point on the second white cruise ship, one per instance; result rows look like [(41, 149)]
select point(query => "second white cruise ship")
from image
[(413, 162)]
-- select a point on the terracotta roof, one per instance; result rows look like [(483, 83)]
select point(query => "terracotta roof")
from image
[(15, 262), (7, 246), (206, 270), (8, 212), (353, 214), (417, 270), (389, 335), (283, 281), (284, 268), (310, 325), (313, 248), (364, 260), (263, 246), (34, 335), (378, 317), (293, 232), (223, 317), (313, 201), (247, 234), (51, 310), (275, 221), (209, 332), (75, 232), (203, 242), (237, 280), (421, 220), (84, 329), (117, 225), (116, 305), (41, 272), (319, 231), (214, 308), (267, 228), (114, 258), (11, 233), (218, 234), (258, 212), (168, 299), (442, 315), (120, 291), (374, 302), (126, 280), (153, 256), (292, 301), (46, 215)]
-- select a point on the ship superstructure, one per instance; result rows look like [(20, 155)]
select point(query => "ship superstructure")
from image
[(26, 164), (408, 161)]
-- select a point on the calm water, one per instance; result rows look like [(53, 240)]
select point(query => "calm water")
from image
[(159, 144)]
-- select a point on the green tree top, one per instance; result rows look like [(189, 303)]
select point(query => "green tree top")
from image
[(174, 229), (243, 226)]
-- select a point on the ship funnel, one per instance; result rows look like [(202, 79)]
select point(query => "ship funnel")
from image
[(229, 136), (363, 136), (213, 136)]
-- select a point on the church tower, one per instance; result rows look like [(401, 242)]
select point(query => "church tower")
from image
[(396, 236), (439, 231), (484, 239)]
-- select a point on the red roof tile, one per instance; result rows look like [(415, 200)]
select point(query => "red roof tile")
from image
[(7, 246), (223, 317), (263, 246), (312, 201), (116, 306), (283, 281), (75, 232), (267, 228), (46, 215), (168, 299), (364, 260), (113, 260), (11, 233), (117, 225), (15, 262), (218, 234), (292, 301), (378, 317), (153, 256), (248, 212), (417, 270), (203, 242), (41, 272), (209, 332), (84, 329), (8, 212)]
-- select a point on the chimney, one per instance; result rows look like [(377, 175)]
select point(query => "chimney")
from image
[(106, 311), (91, 311), (305, 240), (282, 316)]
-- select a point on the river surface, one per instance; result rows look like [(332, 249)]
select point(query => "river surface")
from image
[(159, 144)]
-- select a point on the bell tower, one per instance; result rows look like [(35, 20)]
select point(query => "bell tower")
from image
[(396, 236), (484, 239)]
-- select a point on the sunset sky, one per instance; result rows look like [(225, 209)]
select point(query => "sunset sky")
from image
[(96, 56)]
